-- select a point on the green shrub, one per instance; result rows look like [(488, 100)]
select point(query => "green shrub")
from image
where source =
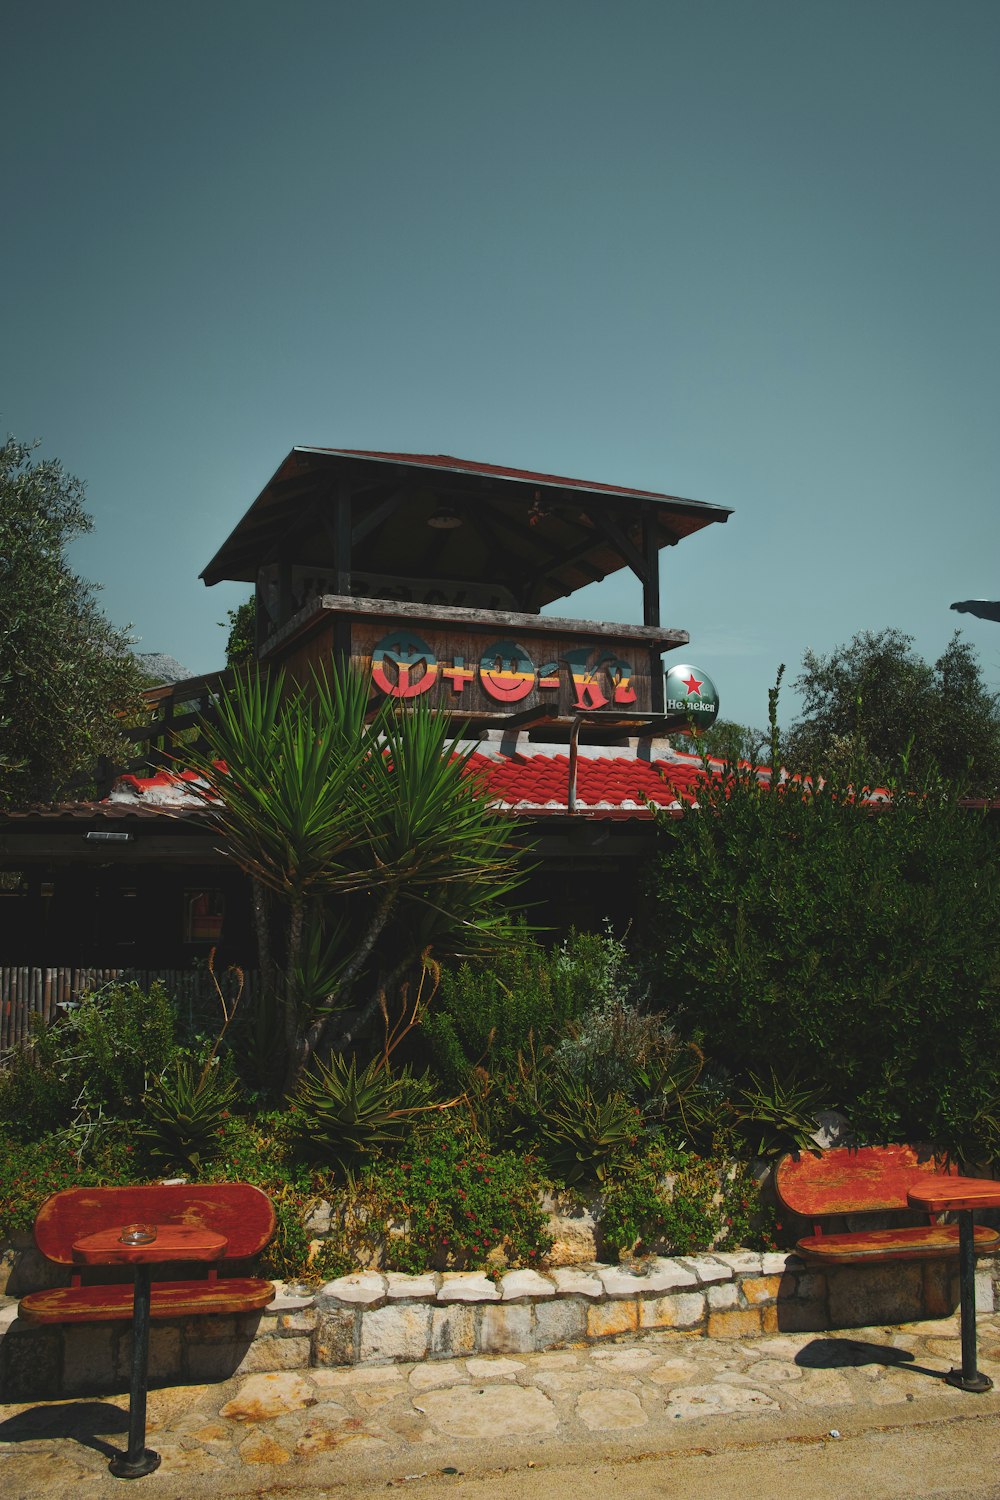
[(684, 1203), (291, 1255), (120, 1036), (520, 998), (664, 1197), (257, 1149), (37, 1093), (458, 1201), (31, 1170), (800, 932), (92, 1064)]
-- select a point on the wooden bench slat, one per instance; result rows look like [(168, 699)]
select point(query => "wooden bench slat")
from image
[(926, 1242), (170, 1299)]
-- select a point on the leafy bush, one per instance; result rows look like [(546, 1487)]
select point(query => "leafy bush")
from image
[(458, 1201), (808, 931), (37, 1093), (521, 998), (92, 1063), (292, 1255), (31, 1170), (683, 1203)]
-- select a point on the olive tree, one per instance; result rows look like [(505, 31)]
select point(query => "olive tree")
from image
[(68, 678)]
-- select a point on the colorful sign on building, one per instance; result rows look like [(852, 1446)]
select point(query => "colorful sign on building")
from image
[(503, 672)]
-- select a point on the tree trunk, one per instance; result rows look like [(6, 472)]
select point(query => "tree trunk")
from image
[(315, 1037), (367, 1012), (295, 1055), (263, 933)]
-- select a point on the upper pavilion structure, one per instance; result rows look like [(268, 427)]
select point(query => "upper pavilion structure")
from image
[(429, 574)]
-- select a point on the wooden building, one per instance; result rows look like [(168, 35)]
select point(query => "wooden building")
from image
[(429, 574)]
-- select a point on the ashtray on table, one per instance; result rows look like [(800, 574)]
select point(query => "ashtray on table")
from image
[(138, 1234)]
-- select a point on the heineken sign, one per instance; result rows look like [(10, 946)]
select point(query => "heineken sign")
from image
[(691, 696)]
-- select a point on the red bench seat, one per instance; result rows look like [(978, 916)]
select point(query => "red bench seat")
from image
[(243, 1214)]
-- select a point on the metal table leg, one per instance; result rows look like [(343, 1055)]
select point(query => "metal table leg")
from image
[(139, 1459), (968, 1378)]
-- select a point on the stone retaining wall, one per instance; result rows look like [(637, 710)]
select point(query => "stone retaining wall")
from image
[(373, 1319)]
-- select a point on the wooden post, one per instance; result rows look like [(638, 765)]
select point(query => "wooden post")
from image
[(343, 535), (651, 604)]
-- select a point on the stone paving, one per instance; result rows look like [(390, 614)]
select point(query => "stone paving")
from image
[(289, 1432)]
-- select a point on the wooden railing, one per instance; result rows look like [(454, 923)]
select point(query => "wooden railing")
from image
[(26, 993), (176, 708)]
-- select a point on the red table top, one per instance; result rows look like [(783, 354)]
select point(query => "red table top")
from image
[(938, 1195), (173, 1242)]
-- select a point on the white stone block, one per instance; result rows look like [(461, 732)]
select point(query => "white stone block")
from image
[(304, 1320), (363, 1288), (682, 1310), (286, 1301), (984, 1291), (506, 1330), (664, 1275), (723, 1296), (396, 1332), (400, 1288), (561, 1321), (709, 1268), (775, 1263), (617, 1282), (516, 1284), (467, 1286), (267, 1355), (453, 1329), (571, 1282), (746, 1262)]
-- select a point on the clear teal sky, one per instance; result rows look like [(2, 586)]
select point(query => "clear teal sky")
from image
[(744, 251)]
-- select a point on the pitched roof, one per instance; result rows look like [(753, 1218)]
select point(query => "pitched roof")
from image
[(542, 529)]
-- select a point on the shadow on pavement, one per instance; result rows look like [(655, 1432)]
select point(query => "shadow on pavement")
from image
[(831, 1354), (83, 1421)]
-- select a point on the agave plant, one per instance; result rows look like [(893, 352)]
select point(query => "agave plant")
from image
[(184, 1113), (582, 1136), (779, 1115), (342, 1114)]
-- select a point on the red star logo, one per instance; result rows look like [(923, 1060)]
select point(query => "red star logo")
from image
[(693, 684)]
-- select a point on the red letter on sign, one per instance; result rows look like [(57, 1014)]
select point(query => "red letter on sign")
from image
[(404, 654)]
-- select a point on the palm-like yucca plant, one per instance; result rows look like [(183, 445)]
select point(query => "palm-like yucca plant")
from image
[(316, 796)]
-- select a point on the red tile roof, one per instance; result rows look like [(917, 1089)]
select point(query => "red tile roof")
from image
[(522, 779), (606, 785), (529, 780)]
